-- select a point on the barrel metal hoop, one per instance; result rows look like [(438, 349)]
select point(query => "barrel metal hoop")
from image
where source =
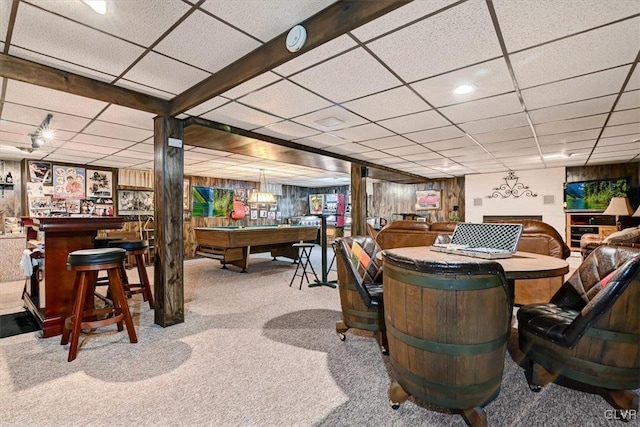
[(446, 348), (604, 334), (365, 314), (458, 283)]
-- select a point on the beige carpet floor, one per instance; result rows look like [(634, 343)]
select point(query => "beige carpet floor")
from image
[(251, 352)]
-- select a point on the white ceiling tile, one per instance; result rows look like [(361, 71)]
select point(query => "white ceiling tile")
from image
[(67, 158), (426, 52), (511, 153), (590, 86), (389, 142), (413, 151), (432, 135), (143, 148), (207, 106), (372, 155), (616, 140), (251, 85), (318, 54), (139, 21), (607, 47), (450, 144), (396, 18), (624, 117), (166, 74), (504, 135), (363, 133), (97, 150), (286, 130), (265, 20), (60, 64), (483, 108), (415, 122), (629, 129), (421, 155), (111, 130), (136, 155), (100, 140), (634, 81), (61, 38), (560, 126), (347, 117), (572, 110), (525, 24), (629, 100), (234, 114), (495, 123), (145, 89), (340, 79), (561, 138), (52, 100), (186, 41), (465, 151), (387, 104), (5, 12), (349, 148), (630, 149), (128, 117), (489, 78), (35, 116), (285, 99), (322, 140)]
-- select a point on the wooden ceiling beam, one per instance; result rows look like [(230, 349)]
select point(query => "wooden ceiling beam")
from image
[(332, 22), (26, 71)]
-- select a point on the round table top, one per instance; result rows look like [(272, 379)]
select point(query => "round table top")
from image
[(522, 265)]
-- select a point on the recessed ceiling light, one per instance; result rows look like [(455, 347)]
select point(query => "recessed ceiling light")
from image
[(99, 6), (330, 122), (464, 89)]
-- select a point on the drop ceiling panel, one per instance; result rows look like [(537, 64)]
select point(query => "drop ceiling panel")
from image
[(136, 155), (488, 79), (97, 150), (286, 130), (629, 100), (608, 47), (561, 126), (5, 12), (61, 38), (483, 108), (141, 22), (363, 132), (510, 145), (100, 140), (525, 24), (35, 116), (624, 117), (185, 42), (427, 45), (377, 157), (143, 148), (465, 151), (265, 20), (251, 85), (146, 90), (573, 109), (450, 143), (321, 141), (340, 79), (127, 116), (531, 151), (348, 119), (112, 130), (285, 99), (52, 100), (234, 114), (437, 134), (387, 104), (415, 122), (421, 155), (316, 55), (160, 72), (350, 148), (576, 89), (389, 142), (622, 139), (411, 151), (504, 135), (207, 106), (568, 137), (495, 123), (629, 129)]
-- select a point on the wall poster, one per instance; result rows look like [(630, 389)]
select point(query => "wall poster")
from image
[(428, 200), (68, 182), (99, 184)]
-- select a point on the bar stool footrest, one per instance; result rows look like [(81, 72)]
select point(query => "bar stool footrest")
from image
[(116, 317)]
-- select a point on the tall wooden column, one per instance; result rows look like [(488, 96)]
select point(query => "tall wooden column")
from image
[(169, 252), (358, 200)]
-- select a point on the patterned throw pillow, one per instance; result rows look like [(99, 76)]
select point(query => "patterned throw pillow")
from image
[(365, 267)]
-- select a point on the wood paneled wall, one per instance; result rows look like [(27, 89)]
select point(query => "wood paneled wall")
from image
[(10, 198), (620, 170), (389, 199)]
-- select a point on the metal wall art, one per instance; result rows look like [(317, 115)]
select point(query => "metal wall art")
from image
[(511, 188)]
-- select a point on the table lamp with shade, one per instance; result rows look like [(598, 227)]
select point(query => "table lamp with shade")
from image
[(619, 206)]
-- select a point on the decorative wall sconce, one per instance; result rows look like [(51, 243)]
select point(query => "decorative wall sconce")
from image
[(511, 188)]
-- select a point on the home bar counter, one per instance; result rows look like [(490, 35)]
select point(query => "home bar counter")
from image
[(62, 235)]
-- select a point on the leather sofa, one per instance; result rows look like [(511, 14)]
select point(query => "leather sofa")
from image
[(537, 237), (627, 237)]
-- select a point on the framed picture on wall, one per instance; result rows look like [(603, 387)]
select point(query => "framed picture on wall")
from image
[(99, 184), (68, 182), (186, 196), (40, 172), (263, 213), (254, 214), (428, 200)]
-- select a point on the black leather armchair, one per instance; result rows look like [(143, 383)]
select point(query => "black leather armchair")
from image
[(360, 288), (590, 330)]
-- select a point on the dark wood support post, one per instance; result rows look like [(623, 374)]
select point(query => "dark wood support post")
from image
[(358, 200), (169, 252)]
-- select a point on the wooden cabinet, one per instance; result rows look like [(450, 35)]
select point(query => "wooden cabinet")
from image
[(585, 223)]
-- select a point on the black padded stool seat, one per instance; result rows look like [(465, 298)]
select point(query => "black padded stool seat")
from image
[(87, 263), (138, 249), (304, 255), (103, 242)]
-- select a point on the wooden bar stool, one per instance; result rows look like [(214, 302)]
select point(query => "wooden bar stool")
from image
[(304, 260), (138, 249), (86, 263)]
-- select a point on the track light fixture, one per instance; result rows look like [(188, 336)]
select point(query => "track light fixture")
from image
[(42, 134)]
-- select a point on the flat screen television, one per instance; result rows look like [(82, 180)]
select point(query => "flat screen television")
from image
[(593, 196)]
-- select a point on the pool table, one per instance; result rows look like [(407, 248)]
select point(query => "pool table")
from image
[(232, 245)]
